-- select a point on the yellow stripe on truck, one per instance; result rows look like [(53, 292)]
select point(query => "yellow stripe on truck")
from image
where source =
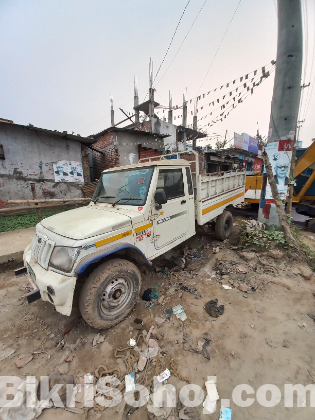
[(221, 203), (144, 227), (113, 238)]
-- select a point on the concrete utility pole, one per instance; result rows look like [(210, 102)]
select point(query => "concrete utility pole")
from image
[(195, 125), (112, 119), (136, 101), (287, 86), (170, 110), (151, 90), (184, 119)]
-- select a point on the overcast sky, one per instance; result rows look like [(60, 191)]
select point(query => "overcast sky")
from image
[(61, 60)]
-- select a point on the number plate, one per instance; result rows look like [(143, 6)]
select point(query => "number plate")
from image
[(31, 272)]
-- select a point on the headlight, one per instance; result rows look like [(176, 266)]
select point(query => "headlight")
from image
[(63, 258)]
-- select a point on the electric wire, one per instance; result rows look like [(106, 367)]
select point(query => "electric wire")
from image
[(216, 53), (168, 48), (183, 41)]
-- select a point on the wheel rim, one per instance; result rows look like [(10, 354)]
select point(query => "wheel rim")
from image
[(116, 295)]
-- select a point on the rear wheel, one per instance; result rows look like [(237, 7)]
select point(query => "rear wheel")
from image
[(224, 226), (110, 293)]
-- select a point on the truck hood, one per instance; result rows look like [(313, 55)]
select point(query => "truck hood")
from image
[(85, 222)]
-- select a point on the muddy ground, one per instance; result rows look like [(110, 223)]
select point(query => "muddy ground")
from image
[(264, 335)]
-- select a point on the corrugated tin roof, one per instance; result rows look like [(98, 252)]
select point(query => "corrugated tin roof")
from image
[(129, 130), (64, 134)]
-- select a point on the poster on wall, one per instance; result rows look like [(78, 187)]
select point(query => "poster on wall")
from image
[(280, 155), (238, 141), (68, 171)]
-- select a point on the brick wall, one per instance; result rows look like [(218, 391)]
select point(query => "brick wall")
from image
[(145, 152), (191, 157), (106, 144)]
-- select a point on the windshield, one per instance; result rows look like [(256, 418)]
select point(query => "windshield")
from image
[(124, 187)]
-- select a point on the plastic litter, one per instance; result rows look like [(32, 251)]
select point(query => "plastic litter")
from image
[(171, 290), (169, 314), (130, 382), (226, 287), (215, 250), (225, 413), (191, 290), (149, 305), (164, 375), (213, 309), (146, 295), (179, 312), (154, 294), (132, 342), (212, 396)]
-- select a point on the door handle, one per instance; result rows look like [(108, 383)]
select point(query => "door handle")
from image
[(183, 202)]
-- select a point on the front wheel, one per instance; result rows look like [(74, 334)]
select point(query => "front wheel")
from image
[(224, 226), (110, 293)]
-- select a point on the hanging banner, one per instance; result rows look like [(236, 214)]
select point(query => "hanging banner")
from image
[(245, 141), (238, 141), (280, 155), (253, 145), (68, 171)]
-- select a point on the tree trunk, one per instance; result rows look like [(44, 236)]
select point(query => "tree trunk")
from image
[(279, 205), (292, 171)]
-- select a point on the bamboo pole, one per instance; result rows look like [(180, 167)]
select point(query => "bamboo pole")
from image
[(39, 214)]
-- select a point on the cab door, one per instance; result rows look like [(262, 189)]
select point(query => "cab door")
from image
[(172, 221)]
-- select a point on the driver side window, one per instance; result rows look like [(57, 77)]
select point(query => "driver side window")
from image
[(171, 180)]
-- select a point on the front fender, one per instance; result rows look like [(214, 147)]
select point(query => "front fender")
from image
[(89, 259)]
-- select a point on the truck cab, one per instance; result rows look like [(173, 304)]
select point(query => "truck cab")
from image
[(137, 213)]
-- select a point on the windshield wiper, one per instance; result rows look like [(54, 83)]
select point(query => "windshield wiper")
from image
[(128, 199), (103, 196)]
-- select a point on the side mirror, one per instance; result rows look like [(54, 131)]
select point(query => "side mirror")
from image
[(160, 198)]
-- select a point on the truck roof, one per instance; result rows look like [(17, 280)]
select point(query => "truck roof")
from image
[(164, 162)]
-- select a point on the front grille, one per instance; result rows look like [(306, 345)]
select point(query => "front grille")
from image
[(42, 248)]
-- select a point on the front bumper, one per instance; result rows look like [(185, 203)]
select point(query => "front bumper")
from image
[(63, 286)]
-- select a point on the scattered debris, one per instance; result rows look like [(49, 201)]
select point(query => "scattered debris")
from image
[(161, 300), (132, 342), (169, 313), (241, 269), (138, 324), (179, 312), (275, 253), (205, 352), (226, 287), (212, 396), (146, 295), (171, 290), (98, 338), (23, 360), (225, 413), (130, 382), (149, 305), (253, 225), (215, 250), (164, 375), (243, 287), (213, 309), (154, 294), (191, 290)]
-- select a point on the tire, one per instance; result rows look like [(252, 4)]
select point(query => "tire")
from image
[(311, 225), (110, 293), (224, 226)]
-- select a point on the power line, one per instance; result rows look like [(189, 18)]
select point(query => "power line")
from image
[(219, 46), (172, 39), (183, 40)]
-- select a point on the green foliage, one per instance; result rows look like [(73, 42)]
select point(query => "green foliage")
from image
[(23, 221), (263, 238)]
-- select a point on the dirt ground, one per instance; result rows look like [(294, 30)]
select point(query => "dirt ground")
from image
[(264, 335)]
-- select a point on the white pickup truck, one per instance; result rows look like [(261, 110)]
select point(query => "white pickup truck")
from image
[(137, 213)]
